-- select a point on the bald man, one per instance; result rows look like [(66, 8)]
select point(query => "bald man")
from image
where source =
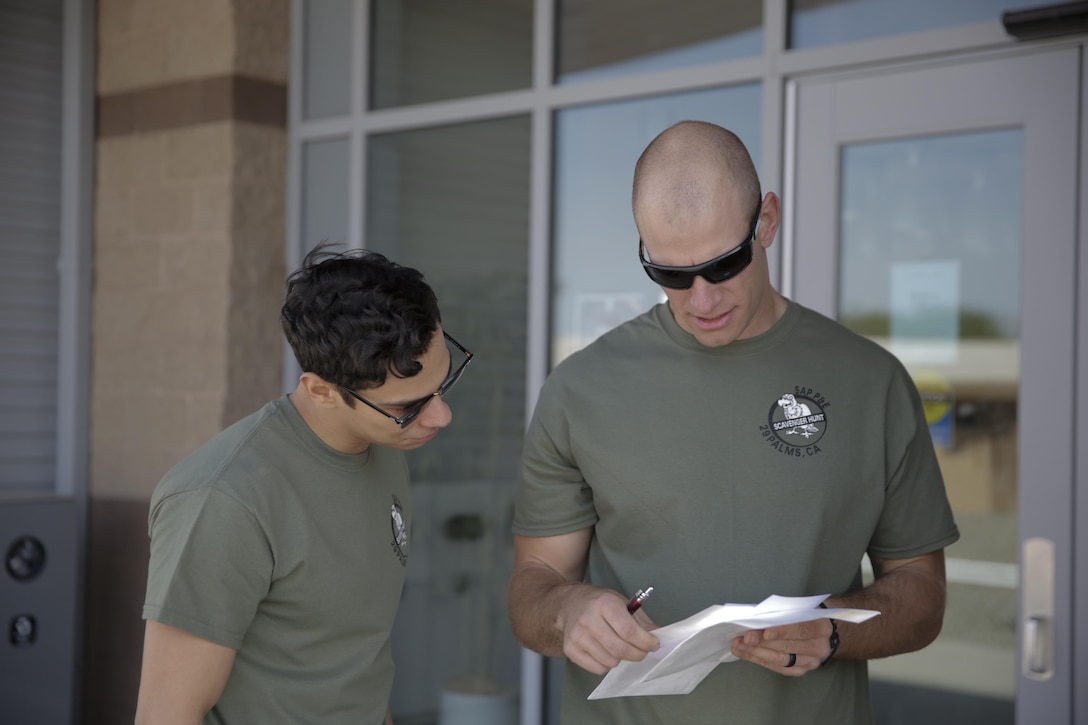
[(724, 446)]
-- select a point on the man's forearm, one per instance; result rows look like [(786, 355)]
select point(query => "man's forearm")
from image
[(910, 599), (535, 598)]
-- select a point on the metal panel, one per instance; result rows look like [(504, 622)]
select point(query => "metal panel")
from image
[(38, 539), (1080, 522)]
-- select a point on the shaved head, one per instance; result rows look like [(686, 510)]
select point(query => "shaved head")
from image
[(690, 168)]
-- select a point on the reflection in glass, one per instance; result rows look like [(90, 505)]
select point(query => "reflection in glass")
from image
[(324, 191), (326, 58), (930, 244), (598, 281), (427, 50), (453, 202), (814, 23), (605, 38)]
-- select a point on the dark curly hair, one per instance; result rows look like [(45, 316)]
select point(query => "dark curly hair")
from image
[(354, 317)]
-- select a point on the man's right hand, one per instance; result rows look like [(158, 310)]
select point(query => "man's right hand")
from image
[(598, 631), (558, 615)]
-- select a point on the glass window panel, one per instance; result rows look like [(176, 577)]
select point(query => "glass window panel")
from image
[(814, 23), (325, 191), (606, 38), (598, 281), (326, 62), (454, 202), (430, 50), (930, 246), (913, 201)]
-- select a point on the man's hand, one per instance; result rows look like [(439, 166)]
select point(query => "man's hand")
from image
[(909, 594), (555, 613), (809, 642), (598, 631)]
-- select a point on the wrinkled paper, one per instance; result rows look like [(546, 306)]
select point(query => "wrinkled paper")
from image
[(692, 647)]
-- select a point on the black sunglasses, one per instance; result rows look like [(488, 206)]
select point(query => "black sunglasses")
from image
[(417, 407), (717, 270)]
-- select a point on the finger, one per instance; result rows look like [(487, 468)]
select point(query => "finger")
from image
[(630, 630), (603, 634), (812, 640), (753, 638), (644, 620), (590, 657), (778, 661), (598, 654), (795, 665), (815, 629)]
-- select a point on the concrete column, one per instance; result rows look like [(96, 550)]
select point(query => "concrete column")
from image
[(188, 277)]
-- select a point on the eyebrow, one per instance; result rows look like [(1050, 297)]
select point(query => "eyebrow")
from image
[(410, 403)]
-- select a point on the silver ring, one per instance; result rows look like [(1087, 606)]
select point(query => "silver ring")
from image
[(793, 660)]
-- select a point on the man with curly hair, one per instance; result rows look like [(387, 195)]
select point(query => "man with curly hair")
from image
[(278, 548)]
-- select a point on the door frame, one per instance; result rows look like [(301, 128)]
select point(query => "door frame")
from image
[(981, 91), (1080, 562)]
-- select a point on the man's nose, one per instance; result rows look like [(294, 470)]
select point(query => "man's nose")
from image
[(704, 294), (436, 414)]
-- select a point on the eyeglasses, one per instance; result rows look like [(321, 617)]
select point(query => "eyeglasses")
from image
[(417, 407), (717, 270)]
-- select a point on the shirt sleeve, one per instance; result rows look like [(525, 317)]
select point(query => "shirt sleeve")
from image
[(917, 518), (210, 565), (552, 497)]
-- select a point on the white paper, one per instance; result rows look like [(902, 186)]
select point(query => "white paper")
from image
[(692, 647)]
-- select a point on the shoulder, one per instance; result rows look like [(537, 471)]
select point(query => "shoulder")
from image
[(623, 342), (217, 462), (839, 342)]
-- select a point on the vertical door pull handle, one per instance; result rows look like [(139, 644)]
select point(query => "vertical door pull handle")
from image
[(1037, 607), (1035, 644)]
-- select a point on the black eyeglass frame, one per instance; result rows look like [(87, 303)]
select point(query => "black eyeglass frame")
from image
[(412, 413), (703, 270)]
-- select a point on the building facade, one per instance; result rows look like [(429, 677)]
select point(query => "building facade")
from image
[(184, 157)]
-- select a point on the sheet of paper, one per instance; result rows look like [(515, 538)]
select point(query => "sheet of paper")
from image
[(693, 647)]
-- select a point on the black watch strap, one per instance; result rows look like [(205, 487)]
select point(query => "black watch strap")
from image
[(833, 640)]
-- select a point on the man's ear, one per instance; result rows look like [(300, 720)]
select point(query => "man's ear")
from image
[(320, 392), (770, 216)]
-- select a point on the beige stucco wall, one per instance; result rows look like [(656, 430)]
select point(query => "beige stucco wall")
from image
[(188, 277), (188, 242)]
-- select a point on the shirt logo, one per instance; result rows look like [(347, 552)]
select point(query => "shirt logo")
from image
[(400, 531), (796, 422)]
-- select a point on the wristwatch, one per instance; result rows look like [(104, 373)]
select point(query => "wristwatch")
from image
[(833, 640)]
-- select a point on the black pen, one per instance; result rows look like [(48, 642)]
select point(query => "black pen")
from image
[(635, 602)]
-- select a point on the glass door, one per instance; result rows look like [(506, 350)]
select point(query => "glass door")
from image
[(934, 211)]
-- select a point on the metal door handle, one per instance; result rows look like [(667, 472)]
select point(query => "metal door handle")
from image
[(1035, 639), (1037, 597)]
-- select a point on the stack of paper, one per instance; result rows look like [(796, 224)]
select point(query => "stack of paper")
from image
[(692, 647)]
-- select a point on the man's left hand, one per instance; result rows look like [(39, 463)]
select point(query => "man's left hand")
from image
[(792, 649)]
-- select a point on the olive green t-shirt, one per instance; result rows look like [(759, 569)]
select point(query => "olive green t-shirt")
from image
[(725, 475), (267, 541)]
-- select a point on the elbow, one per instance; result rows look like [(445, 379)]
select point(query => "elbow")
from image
[(928, 633), (928, 626)]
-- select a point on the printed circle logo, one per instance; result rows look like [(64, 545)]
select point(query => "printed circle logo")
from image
[(797, 420), (400, 531)]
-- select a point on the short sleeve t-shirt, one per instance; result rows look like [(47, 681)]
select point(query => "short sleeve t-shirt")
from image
[(767, 466), (267, 541)]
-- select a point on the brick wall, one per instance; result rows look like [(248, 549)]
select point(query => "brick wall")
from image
[(188, 276)]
